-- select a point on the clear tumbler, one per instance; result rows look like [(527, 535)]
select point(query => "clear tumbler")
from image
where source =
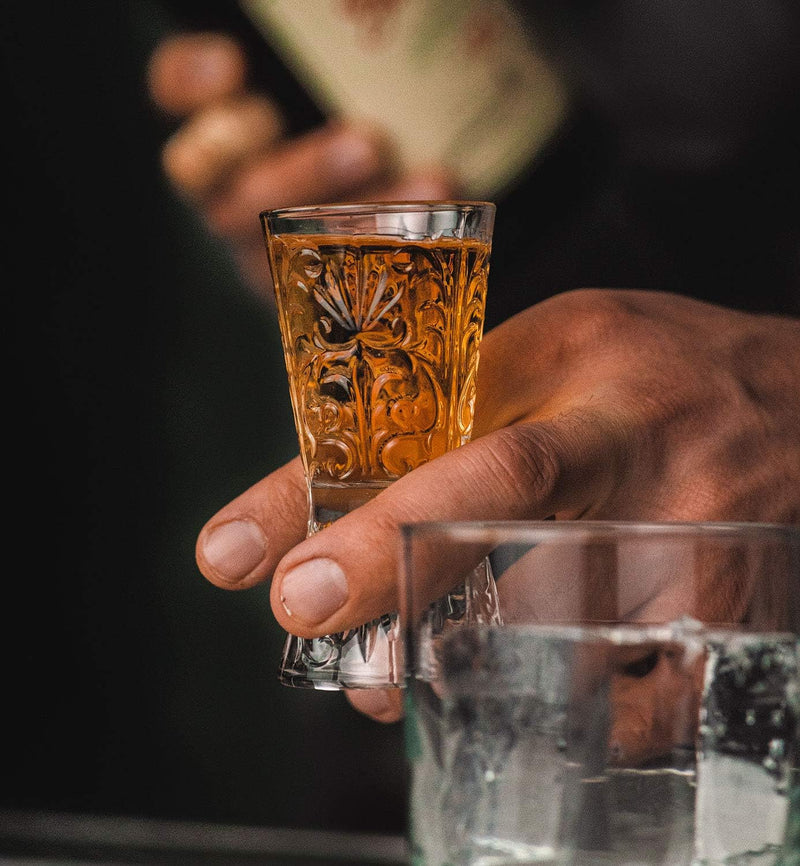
[(638, 704)]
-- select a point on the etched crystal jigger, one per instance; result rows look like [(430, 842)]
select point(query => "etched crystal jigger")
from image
[(381, 310)]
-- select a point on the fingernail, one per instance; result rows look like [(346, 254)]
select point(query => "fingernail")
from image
[(353, 155), (234, 549), (314, 590)]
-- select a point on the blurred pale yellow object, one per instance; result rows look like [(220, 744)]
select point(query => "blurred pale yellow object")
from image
[(453, 84)]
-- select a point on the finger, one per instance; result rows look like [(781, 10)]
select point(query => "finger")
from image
[(241, 545), (346, 574), (251, 255), (433, 184), (193, 70), (321, 166), (655, 710), (382, 705), (217, 140)]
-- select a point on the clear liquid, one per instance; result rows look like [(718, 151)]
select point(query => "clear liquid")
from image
[(632, 746), (747, 756)]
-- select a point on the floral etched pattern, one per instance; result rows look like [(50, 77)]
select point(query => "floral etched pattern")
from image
[(381, 342)]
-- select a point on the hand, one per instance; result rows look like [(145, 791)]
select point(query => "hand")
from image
[(232, 160), (593, 404)]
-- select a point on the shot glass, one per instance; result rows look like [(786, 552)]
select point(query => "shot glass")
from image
[(381, 310), (637, 705)]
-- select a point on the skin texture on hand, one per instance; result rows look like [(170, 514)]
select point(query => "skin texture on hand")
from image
[(618, 405), (231, 158), (595, 404)]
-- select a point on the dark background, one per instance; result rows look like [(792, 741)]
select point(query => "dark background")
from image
[(145, 387)]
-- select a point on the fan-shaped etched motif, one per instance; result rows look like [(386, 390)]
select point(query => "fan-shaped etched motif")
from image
[(381, 341)]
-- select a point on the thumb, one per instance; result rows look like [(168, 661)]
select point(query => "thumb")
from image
[(347, 574)]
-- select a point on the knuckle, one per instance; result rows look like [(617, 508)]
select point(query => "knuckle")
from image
[(181, 164), (598, 316), (708, 498), (524, 465), (210, 145), (711, 491)]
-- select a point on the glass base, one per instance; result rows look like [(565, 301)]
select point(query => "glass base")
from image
[(368, 657), (371, 656)]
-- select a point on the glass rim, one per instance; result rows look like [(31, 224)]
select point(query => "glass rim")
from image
[(364, 208), (631, 633), (608, 528)]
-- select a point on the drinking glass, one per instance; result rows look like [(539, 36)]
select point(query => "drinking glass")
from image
[(381, 310), (638, 703)]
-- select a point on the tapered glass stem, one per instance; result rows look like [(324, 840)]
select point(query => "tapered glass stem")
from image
[(368, 656)]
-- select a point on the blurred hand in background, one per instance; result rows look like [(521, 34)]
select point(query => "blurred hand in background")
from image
[(231, 156)]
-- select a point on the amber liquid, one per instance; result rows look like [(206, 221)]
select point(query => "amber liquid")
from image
[(381, 340)]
